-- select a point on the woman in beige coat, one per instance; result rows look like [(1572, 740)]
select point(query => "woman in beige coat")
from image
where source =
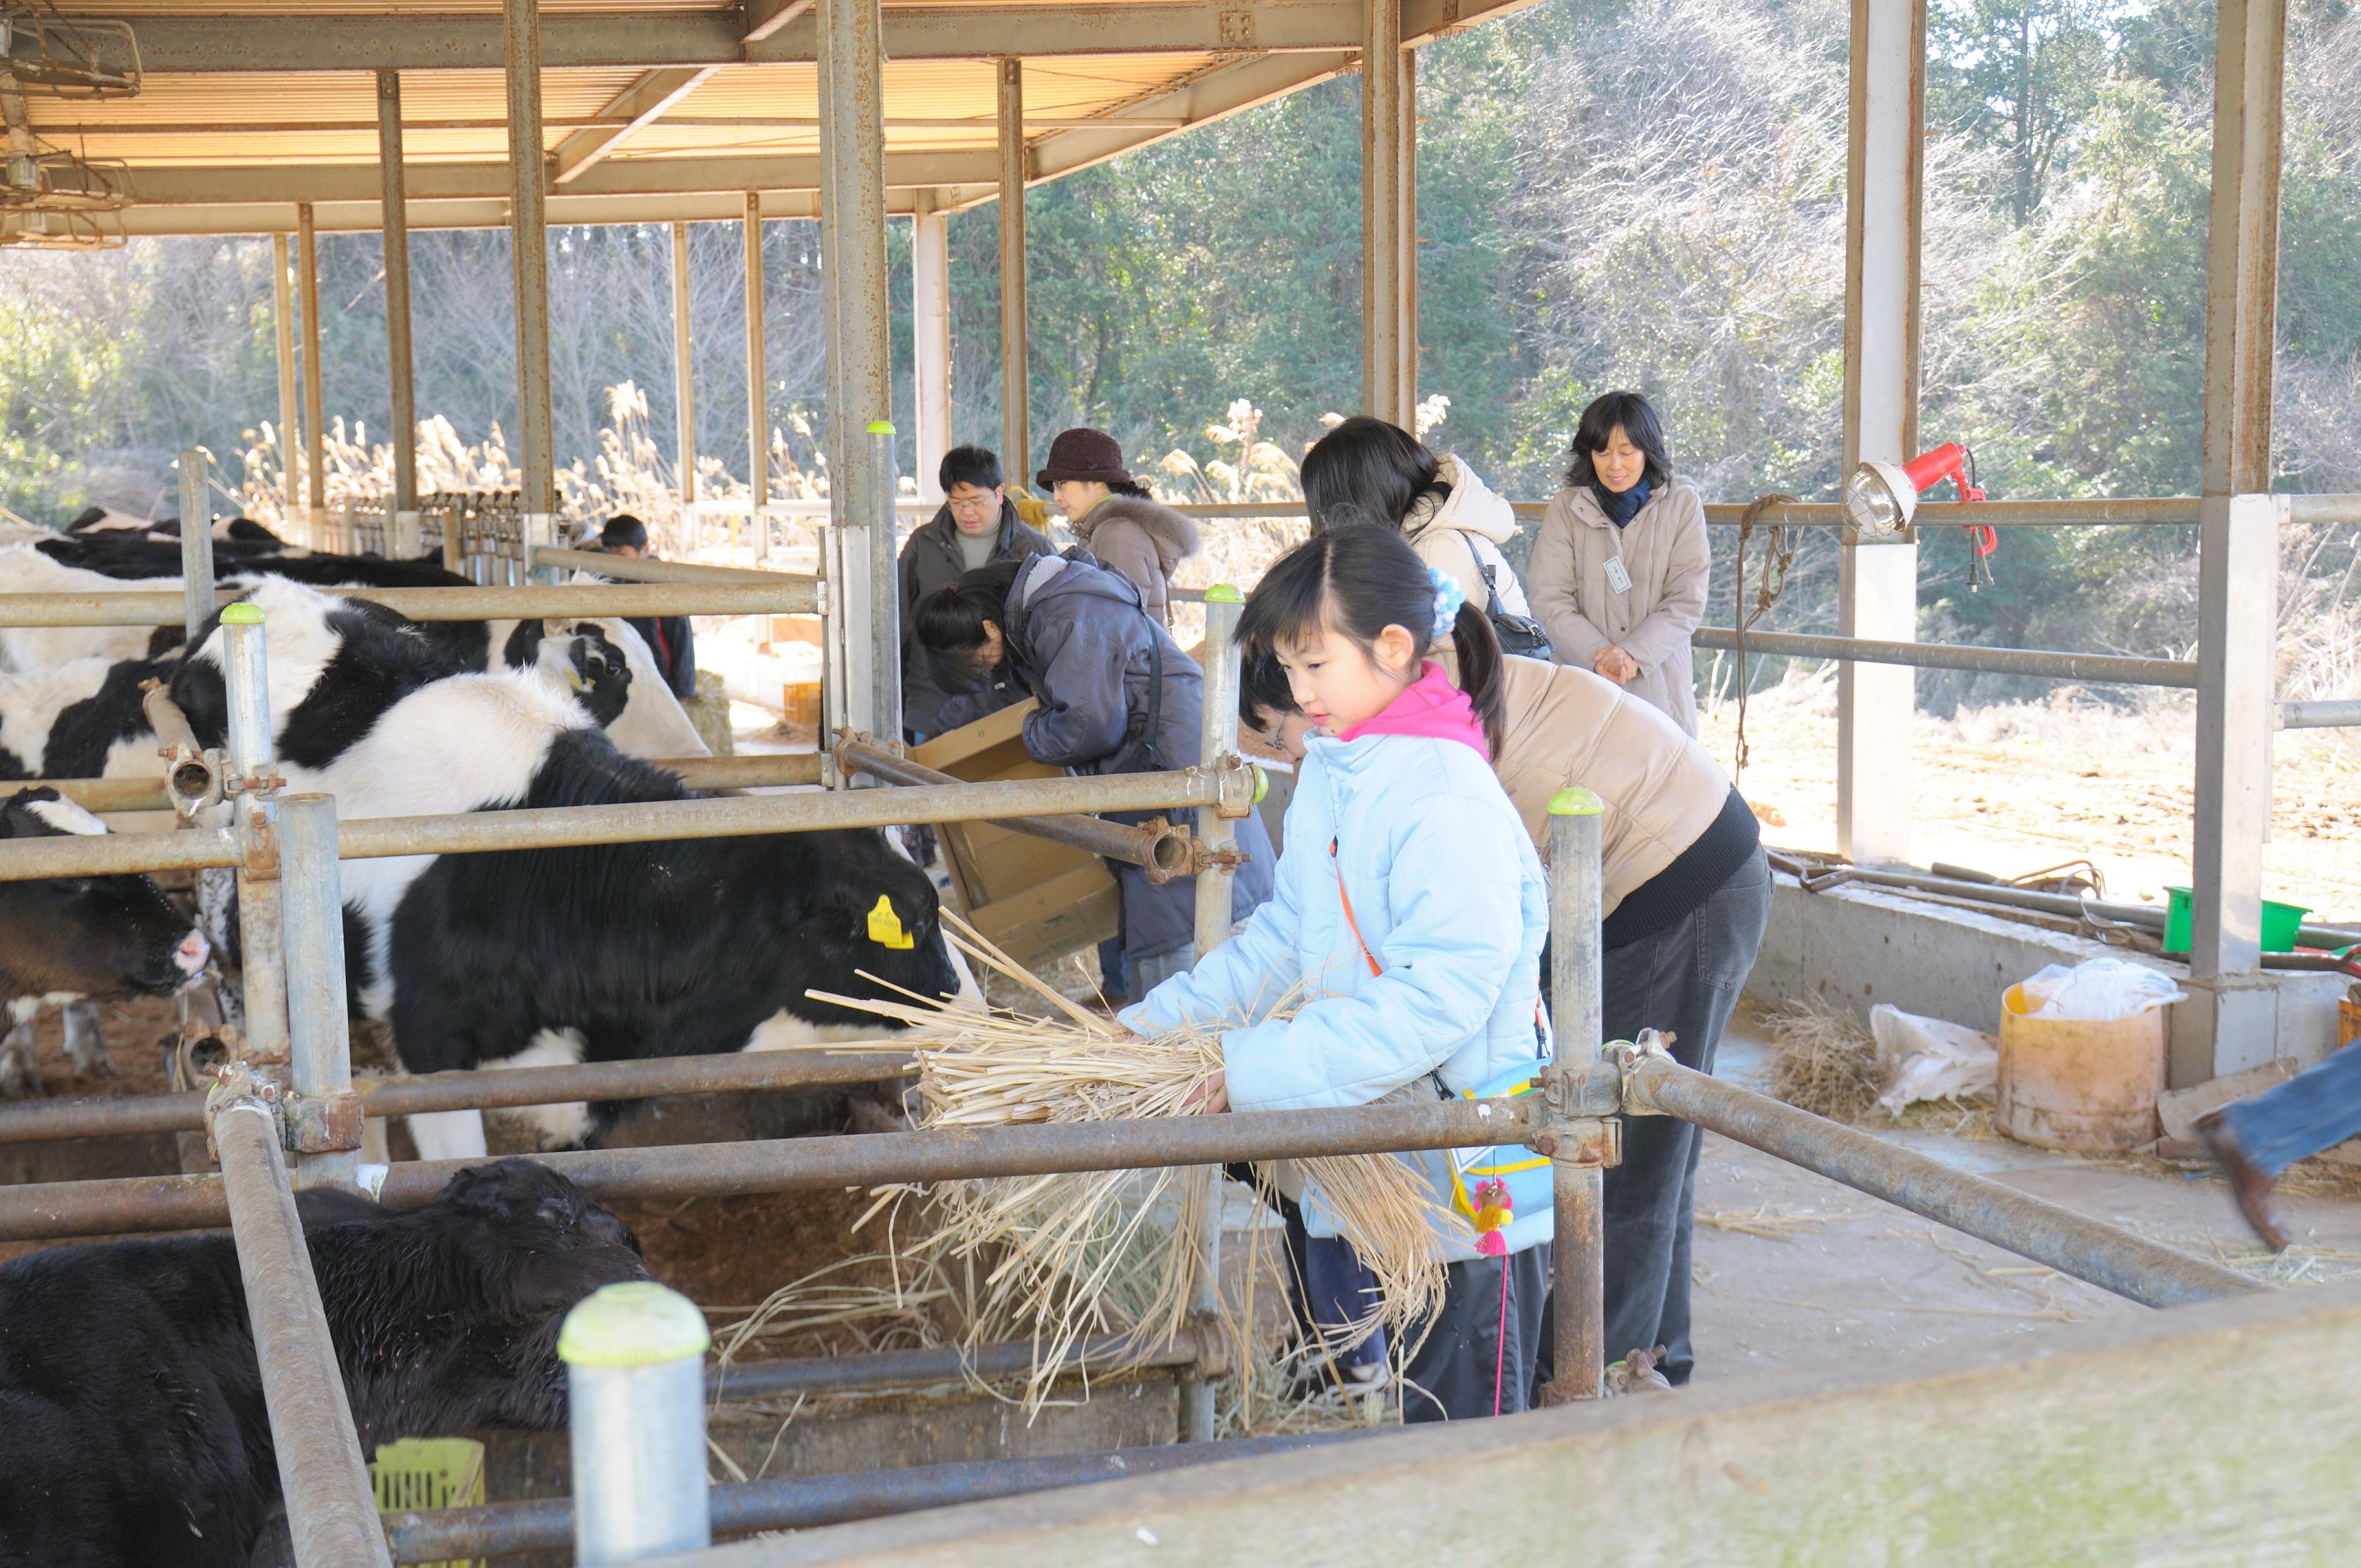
[(1619, 571), (1685, 894)]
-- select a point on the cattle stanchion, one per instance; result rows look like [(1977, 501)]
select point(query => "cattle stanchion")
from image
[(1580, 1143), (884, 592), (634, 1358), (325, 1116), (196, 545), (1217, 838), (331, 1507), (253, 789)]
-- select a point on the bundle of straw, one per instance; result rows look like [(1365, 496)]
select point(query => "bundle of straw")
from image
[(1120, 1253)]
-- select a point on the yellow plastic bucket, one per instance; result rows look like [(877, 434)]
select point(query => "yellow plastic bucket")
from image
[(2088, 1087)]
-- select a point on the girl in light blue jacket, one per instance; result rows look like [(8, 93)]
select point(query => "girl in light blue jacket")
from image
[(1409, 914)]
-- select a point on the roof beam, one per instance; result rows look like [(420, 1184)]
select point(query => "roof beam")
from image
[(630, 110), (207, 45), (248, 184), (764, 17), (492, 213)]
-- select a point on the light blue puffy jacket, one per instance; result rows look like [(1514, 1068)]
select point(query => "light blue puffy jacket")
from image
[(1450, 898)]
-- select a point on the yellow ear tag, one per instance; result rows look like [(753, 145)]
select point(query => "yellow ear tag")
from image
[(886, 926)]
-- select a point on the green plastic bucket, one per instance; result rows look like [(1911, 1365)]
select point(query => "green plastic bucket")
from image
[(2280, 923)]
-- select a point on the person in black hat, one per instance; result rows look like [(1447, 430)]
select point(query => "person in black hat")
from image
[(667, 636), (1115, 519)]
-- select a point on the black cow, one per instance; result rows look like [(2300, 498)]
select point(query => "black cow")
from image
[(65, 940), (132, 1432)]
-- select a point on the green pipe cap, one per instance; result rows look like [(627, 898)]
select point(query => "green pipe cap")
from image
[(881, 427), (1575, 802), (1262, 784), (241, 614), (639, 1323), (1222, 593)]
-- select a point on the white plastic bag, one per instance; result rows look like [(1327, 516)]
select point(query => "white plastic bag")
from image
[(2097, 992), (1938, 1060)]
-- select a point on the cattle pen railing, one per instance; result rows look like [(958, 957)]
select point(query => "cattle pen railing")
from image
[(286, 849)]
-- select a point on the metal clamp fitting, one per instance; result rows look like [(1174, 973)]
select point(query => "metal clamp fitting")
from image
[(235, 1088), (260, 842), (1625, 1056), (1239, 783), (1594, 1142), (322, 1123)]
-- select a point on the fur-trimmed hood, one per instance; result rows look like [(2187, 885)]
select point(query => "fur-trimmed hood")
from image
[(1177, 538), (1471, 507)]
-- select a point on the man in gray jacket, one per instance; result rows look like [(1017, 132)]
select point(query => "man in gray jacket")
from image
[(1117, 694), (978, 524)]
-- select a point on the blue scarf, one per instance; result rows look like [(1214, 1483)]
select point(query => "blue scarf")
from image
[(1621, 510)]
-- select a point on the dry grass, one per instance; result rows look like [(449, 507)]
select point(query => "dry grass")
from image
[(1823, 1062), (1115, 1253)]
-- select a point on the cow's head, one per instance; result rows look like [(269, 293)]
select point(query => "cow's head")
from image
[(876, 919), (447, 1319), (577, 656), (95, 936)]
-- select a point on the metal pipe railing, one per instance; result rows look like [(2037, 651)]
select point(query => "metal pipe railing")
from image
[(2071, 905), (804, 1502), (623, 568), (1158, 848), (2135, 511), (2090, 1250), (789, 595), (331, 1508), (727, 816), (487, 1088), (923, 1368), (2321, 714), (2041, 663), (49, 1211), (764, 769)]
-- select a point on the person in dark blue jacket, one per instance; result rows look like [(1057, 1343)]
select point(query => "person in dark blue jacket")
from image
[(1117, 694)]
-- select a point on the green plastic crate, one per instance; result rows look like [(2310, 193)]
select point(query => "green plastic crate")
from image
[(2280, 923), (430, 1472)]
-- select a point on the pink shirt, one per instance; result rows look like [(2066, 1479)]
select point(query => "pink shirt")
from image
[(1430, 706)]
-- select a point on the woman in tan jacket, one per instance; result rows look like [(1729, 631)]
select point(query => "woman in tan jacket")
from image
[(1685, 895), (1618, 570)]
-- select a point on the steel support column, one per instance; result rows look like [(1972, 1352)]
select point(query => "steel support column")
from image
[(758, 373), (1015, 458), (1388, 218), (930, 313), (401, 515), (2230, 1022), (290, 433), (315, 441), (683, 379), (196, 545), (529, 241), (1877, 585)]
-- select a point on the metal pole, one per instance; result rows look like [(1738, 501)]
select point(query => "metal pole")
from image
[(319, 1044), (196, 545), (930, 303), (1162, 851), (1015, 165), (2037, 663), (290, 435), (885, 591), (254, 767), (792, 596), (1877, 585), (35, 1211), (758, 383), (331, 1507), (720, 817), (1218, 742), (1578, 1250), (316, 436), (1382, 216), (2090, 1250), (529, 247), (401, 514), (852, 219), (683, 379), (634, 1358)]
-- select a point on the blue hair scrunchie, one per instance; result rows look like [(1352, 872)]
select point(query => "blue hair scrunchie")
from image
[(1448, 596)]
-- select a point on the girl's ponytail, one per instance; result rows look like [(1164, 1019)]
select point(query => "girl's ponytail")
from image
[(1481, 673)]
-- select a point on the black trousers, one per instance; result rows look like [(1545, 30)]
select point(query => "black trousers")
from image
[(1476, 1351), (1685, 978)]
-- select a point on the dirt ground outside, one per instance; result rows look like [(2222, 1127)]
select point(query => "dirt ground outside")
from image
[(2021, 787)]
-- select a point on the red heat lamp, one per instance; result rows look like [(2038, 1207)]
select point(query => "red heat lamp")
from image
[(1880, 498)]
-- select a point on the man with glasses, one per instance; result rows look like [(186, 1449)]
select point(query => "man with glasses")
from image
[(979, 523)]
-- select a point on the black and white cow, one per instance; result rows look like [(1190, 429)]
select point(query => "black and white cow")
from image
[(608, 951), (134, 1433), (31, 569), (70, 939)]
